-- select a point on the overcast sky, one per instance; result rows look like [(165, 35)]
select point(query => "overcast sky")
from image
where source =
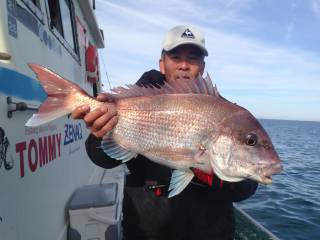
[(263, 54)]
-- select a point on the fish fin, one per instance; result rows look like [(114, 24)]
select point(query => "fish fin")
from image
[(179, 181), (114, 150), (42, 118), (199, 85), (58, 90)]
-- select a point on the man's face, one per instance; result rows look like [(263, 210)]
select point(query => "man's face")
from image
[(183, 62)]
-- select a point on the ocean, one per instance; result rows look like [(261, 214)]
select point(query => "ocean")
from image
[(290, 206)]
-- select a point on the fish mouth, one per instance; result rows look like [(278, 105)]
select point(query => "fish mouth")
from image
[(268, 171), (266, 180)]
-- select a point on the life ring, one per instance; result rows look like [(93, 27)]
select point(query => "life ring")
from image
[(92, 64)]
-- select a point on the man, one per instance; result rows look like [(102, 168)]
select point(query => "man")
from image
[(201, 211)]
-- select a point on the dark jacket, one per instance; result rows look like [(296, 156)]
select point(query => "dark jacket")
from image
[(198, 212)]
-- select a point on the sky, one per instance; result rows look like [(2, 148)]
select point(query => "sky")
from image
[(263, 54)]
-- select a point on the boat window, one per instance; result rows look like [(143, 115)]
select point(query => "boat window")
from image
[(66, 15), (35, 7), (55, 16), (61, 16), (36, 3)]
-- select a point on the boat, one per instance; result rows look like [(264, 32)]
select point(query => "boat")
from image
[(43, 168), (48, 186)]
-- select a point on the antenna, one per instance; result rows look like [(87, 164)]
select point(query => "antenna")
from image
[(106, 73)]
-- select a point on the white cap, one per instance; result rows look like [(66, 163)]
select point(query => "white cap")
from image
[(181, 35)]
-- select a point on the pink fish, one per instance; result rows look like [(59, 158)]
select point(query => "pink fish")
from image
[(182, 125)]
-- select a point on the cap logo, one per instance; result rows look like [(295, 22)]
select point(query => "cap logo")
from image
[(187, 34)]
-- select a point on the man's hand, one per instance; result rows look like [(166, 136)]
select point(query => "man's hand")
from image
[(101, 120)]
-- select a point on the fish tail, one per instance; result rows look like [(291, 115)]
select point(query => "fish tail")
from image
[(61, 98)]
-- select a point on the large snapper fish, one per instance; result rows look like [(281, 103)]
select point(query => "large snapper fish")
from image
[(182, 125)]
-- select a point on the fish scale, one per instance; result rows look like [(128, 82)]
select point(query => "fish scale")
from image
[(176, 127)]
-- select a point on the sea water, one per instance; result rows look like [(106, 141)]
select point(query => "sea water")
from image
[(290, 207)]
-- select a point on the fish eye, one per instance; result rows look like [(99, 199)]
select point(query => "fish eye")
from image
[(251, 139)]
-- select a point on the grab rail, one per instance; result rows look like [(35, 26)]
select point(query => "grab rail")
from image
[(18, 106), (5, 56)]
